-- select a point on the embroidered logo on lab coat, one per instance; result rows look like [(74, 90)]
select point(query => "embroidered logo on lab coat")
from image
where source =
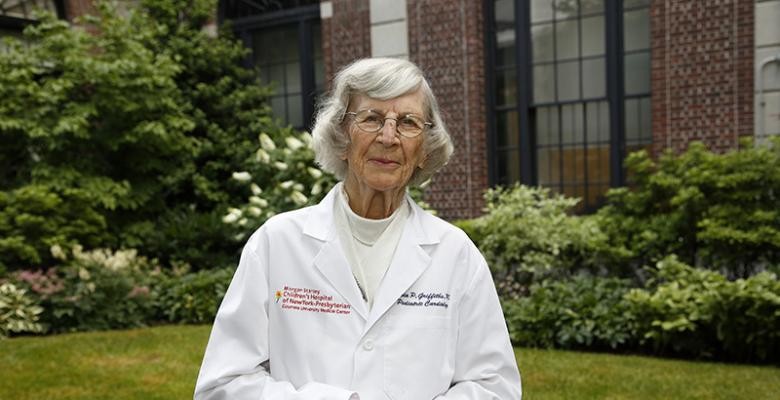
[(424, 299), (310, 300)]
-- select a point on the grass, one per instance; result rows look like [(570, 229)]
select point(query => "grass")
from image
[(162, 363)]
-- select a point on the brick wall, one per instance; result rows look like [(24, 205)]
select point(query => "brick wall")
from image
[(446, 40), (702, 72), (77, 8), (346, 36)]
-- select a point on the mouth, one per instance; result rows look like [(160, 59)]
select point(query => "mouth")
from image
[(383, 161)]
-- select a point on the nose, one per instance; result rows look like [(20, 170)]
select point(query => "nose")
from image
[(387, 136)]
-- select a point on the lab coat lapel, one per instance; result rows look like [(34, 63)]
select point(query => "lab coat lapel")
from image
[(409, 262), (330, 260)]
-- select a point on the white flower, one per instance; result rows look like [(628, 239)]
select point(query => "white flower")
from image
[(316, 189), (266, 142), (232, 216), (262, 156), (84, 274), (58, 253), (242, 176), (298, 187), (258, 201), (280, 165), (255, 212), (286, 184), (255, 189), (314, 172), (242, 221), (293, 143), (307, 139), (298, 198)]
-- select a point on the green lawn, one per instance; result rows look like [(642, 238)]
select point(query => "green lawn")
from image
[(162, 363)]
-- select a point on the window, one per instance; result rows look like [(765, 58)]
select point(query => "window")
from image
[(286, 44), (16, 14), (558, 100)]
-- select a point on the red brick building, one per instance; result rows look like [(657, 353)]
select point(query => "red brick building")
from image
[(544, 92)]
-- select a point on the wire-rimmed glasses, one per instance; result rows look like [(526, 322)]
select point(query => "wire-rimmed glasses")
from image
[(373, 121)]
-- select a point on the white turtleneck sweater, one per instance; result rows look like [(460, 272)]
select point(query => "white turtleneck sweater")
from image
[(369, 244)]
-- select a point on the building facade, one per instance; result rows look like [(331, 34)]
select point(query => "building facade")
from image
[(544, 92)]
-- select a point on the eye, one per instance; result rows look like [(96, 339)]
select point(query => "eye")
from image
[(410, 122)]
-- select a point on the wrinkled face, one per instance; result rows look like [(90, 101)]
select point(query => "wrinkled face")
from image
[(384, 160)]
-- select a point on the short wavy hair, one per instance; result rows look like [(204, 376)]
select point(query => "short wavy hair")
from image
[(381, 79)]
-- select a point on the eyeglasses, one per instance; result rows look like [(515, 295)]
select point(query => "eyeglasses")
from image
[(371, 121)]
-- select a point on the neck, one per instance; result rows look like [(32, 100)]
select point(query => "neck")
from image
[(370, 203)]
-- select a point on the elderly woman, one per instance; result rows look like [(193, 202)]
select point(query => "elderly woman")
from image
[(365, 295)]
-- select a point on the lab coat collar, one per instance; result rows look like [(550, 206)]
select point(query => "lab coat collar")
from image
[(409, 262)]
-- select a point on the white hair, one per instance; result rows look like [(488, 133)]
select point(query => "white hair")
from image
[(381, 79)]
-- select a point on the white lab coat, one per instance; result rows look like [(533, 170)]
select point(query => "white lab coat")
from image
[(293, 309)]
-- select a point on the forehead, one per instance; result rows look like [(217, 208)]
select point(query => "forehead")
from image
[(409, 103)]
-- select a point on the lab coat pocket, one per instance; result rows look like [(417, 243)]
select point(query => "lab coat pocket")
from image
[(417, 356)]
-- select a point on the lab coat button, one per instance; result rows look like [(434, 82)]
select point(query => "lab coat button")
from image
[(368, 345)]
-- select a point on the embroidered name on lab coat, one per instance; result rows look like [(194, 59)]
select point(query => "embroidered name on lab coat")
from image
[(424, 299), (310, 300)]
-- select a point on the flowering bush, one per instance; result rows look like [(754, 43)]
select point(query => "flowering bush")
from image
[(93, 290), (281, 176), (18, 312)]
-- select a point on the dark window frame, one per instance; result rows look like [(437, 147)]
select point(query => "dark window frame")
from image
[(18, 24), (304, 17), (615, 91)]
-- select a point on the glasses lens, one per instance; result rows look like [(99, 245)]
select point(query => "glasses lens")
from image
[(410, 125), (369, 120)]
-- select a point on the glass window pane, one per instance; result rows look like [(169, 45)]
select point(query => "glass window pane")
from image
[(505, 32), (508, 167), (541, 10), (507, 130), (589, 7), (295, 111), (636, 27), (645, 120), (568, 81), (593, 36), (293, 77), (631, 109), (566, 8), (544, 83), (545, 126), (548, 164), (598, 124), (637, 73), (506, 87), (279, 108), (504, 13), (635, 3), (567, 125), (505, 47), (274, 75), (567, 39), (543, 45), (594, 74)]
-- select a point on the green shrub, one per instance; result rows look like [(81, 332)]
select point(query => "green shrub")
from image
[(94, 290), (36, 217), (711, 210), (528, 234), (699, 313), (18, 312), (138, 128), (580, 312), (192, 298)]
